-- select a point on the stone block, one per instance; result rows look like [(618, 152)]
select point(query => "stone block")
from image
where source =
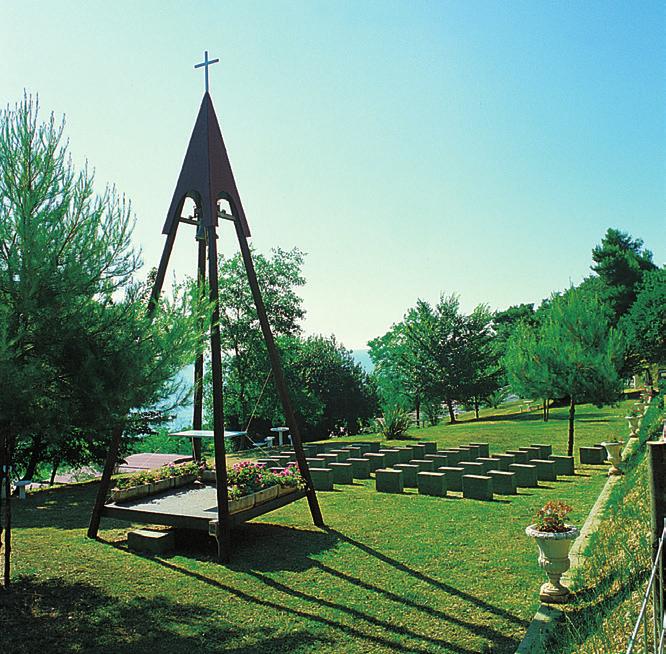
[(391, 457), (472, 467), (405, 454), (360, 467), (526, 475), (282, 460), (424, 465), (488, 463), (521, 457), (484, 448), (155, 542), (430, 446), (375, 447), (431, 483), (475, 451), (322, 478), (454, 475), (546, 450), (532, 452), (310, 450), (439, 459), (564, 465), (388, 480), (592, 455), (376, 460), (504, 483), (409, 474), (316, 462), (343, 455), (364, 447), (505, 460), (453, 456), (354, 452), (342, 473), (465, 454), (545, 469), (418, 451), (329, 457), (477, 487)]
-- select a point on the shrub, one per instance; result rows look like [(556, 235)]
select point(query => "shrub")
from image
[(394, 423)]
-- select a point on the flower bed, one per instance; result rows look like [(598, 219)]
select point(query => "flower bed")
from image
[(247, 483), (152, 482)]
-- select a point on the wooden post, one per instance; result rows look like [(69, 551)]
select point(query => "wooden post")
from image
[(657, 463), (114, 447), (224, 530), (197, 418), (8, 508), (278, 375)]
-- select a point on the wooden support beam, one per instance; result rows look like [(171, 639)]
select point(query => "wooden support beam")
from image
[(278, 375)]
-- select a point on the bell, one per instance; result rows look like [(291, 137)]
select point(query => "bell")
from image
[(201, 233)]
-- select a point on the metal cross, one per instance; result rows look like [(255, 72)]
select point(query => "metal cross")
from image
[(206, 63)]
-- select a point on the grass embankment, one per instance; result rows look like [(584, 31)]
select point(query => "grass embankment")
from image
[(391, 573), (612, 579)]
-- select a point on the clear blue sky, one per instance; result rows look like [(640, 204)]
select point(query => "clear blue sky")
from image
[(408, 147)]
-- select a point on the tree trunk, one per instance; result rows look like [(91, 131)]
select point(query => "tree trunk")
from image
[(3, 470), (476, 407), (7, 513), (452, 415), (35, 456), (572, 413), (54, 470), (545, 410), (418, 412)]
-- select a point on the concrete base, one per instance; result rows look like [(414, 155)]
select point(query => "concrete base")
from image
[(409, 474), (504, 483), (329, 457), (360, 467), (521, 457), (364, 447), (477, 487), (155, 542), (430, 446), (545, 469), (322, 478), (488, 463), (564, 465), (388, 480), (505, 460), (432, 483), (484, 448), (376, 460), (546, 450), (425, 465), (343, 455), (418, 451), (594, 456), (405, 454), (532, 452), (472, 467), (343, 473), (552, 595), (391, 457), (454, 475), (453, 456), (438, 459), (526, 475)]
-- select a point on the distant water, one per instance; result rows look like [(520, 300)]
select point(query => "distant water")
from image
[(183, 415)]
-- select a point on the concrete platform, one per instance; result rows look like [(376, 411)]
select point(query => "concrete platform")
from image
[(148, 540)]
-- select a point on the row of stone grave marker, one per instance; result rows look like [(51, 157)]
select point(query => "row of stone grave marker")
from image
[(468, 468)]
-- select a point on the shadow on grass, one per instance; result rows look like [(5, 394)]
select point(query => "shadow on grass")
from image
[(54, 615)]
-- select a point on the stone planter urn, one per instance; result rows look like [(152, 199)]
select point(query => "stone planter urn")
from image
[(614, 450), (634, 425), (554, 559)]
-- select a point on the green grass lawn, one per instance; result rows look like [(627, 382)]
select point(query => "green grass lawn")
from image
[(391, 573)]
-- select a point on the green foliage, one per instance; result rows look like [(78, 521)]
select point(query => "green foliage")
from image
[(620, 262), (393, 423), (572, 353), (437, 354), (328, 389), (645, 323), (75, 336)]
